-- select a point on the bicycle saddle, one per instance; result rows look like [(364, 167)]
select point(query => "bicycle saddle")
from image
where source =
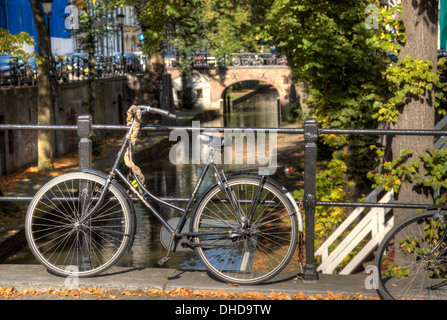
[(213, 141)]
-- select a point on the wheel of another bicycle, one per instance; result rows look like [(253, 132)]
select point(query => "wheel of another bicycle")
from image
[(250, 254), (404, 266), (63, 243)]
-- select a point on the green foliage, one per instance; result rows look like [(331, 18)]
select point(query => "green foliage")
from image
[(391, 174), (153, 16), (435, 172), (394, 173), (351, 81), (234, 25), (13, 44), (389, 35), (332, 185), (329, 47), (408, 78), (223, 26)]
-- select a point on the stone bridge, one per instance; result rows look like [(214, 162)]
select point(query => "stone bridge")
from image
[(209, 85)]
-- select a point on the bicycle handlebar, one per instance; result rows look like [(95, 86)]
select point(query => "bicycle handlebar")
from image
[(161, 112)]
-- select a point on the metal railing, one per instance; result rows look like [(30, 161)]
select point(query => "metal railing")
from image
[(311, 132), (68, 69), (252, 59), (17, 72)]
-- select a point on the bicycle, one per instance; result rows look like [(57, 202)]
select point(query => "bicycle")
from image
[(411, 261), (244, 227)]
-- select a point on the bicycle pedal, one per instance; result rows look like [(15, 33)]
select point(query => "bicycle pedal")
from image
[(163, 260)]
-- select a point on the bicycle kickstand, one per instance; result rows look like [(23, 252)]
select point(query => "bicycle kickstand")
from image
[(166, 258)]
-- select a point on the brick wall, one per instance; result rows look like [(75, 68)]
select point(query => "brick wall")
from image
[(18, 148)]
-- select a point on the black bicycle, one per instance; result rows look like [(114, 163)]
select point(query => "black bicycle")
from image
[(411, 261), (244, 227)]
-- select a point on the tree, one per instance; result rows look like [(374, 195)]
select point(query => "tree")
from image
[(353, 84), (188, 37), (331, 53), (94, 24), (420, 18), (44, 95), (220, 26), (232, 26), (153, 16)]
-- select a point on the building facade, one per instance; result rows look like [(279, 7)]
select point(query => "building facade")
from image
[(16, 16)]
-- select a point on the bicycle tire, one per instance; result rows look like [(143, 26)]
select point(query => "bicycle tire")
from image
[(408, 272), (63, 245), (245, 255)]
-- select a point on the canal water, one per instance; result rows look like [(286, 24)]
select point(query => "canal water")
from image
[(166, 179)]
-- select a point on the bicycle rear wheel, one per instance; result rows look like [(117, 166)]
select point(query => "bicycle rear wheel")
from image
[(251, 252), (404, 265), (63, 244)]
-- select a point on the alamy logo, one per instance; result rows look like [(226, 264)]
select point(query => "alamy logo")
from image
[(72, 281), (72, 21), (372, 20), (240, 147), (372, 279)]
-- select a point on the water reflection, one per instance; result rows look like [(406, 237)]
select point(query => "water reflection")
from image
[(259, 111)]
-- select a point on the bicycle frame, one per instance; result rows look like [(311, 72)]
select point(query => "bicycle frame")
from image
[(175, 232)]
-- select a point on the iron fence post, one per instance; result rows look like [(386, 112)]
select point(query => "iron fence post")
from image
[(85, 161), (85, 144), (310, 199)]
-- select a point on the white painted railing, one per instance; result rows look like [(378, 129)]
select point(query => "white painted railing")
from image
[(373, 225)]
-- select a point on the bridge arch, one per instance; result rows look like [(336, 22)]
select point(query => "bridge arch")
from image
[(220, 79)]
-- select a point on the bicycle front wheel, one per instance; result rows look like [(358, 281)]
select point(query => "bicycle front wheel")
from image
[(239, 249), (411, 260), (63, 243)]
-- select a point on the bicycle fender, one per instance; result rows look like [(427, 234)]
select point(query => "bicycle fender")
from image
[(257, 176), (123, 191)]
